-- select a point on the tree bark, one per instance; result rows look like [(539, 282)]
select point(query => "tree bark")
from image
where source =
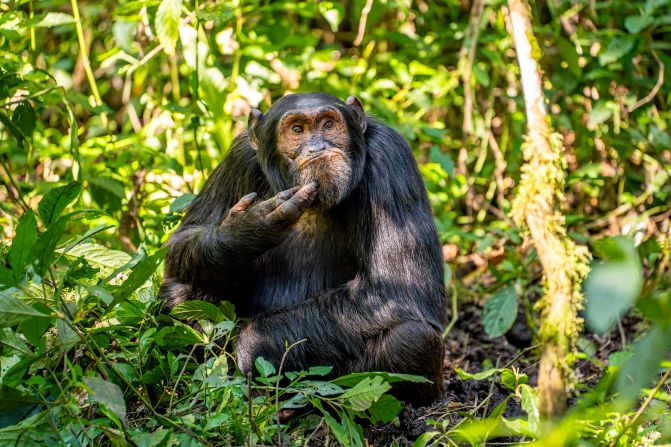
[(540, 190)]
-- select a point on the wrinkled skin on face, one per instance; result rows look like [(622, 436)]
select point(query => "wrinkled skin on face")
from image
[(316, 145), (311, 139)]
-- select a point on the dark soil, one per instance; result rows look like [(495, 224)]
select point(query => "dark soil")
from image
[(468, 347)]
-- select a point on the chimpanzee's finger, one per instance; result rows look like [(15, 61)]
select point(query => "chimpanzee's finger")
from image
[(271, 204), (292, 209), (242, 205)]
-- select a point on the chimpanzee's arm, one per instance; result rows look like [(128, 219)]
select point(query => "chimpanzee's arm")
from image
[(396, 304), (201, 251)]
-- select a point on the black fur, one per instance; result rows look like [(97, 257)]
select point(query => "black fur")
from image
[(364, 288)]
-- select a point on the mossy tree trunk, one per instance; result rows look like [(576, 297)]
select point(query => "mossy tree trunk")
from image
[(535, 208)]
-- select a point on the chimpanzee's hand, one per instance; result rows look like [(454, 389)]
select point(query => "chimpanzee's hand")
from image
[(268, 222)]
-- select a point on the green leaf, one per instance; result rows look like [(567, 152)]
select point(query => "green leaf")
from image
[(167, 24), (369, 390), (108, 394), (54, 202), (500, 311), (181, 203), (530, 407), (385, 409), (616, 49), (9, 338), (601, 113), (198, 310), (13, 311), (21, 253), (106, 259), (139, 275), (156, 439), (333, 12), (346, 432), (636, 24), (642, 367), (101, 293), (55, 19), (612, 286), (13, 398), (482, 375), (443, 159), (264, 367), (46, 245), (24, 118), (352, 379), (176, 337), (519, 427), (424, 439)]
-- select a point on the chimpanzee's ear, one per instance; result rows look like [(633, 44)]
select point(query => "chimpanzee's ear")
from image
[(357, 109), (252, 119)]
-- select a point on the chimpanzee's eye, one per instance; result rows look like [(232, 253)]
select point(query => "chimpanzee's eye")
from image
[(297, 128), (328, 125)]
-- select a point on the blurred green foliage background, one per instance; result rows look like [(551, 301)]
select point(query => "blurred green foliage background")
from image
[(138, 101)]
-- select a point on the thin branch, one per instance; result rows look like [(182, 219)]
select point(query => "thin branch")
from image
[(649, 97), (362, 22)]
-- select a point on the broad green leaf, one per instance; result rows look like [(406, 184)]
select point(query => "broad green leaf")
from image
[(14, 311), (108, 394), (13, 398), (106, 259), (264, 367), (636, 24), (46, 245), (176, 337), (22, 251), (198, 310), (519, 427), (616, 49), (613, 285), (319, 370), (9, 338), (101, 293), (385, 409), (530, 407), (167, 24), (181, 203), (362, 396), (639, 371), (157, 438), (500, 311), (54, 202), (24, 118)]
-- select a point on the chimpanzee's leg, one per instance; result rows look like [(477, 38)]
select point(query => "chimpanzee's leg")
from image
[(411, 347)]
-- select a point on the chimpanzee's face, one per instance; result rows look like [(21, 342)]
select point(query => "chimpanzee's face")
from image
[(311, 137), (316, 144)]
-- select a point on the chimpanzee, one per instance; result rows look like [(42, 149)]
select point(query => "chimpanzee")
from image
[(317, 226)]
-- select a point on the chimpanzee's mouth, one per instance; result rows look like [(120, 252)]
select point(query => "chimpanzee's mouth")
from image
[(326, 154)]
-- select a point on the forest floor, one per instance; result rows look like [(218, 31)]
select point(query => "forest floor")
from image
[(468, 348)]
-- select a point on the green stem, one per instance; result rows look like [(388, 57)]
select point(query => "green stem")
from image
[(85, 59)]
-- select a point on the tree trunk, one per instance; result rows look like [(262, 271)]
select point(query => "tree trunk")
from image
[(540, 190)]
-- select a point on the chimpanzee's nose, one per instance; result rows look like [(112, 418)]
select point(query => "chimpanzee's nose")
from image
[(315, 147)]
